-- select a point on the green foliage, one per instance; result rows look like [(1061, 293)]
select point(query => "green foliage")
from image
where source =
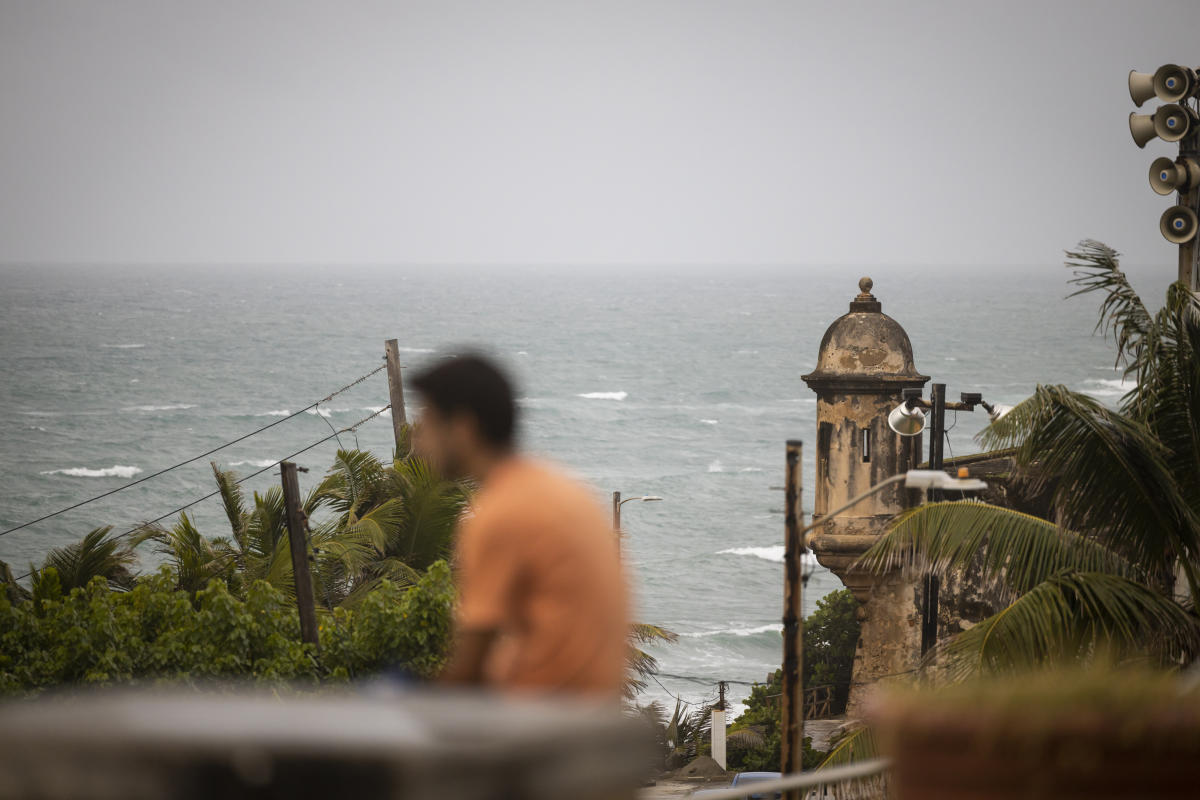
[(1125, 489), (830, 639), (156, 633), (392, 627)]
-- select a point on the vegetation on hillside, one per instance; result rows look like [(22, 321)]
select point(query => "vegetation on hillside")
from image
[(224, 605)]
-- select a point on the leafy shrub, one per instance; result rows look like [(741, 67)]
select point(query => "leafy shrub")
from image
[(830, 638), (154, 633)]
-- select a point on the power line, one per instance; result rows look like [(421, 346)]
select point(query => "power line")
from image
[(195, 458), (272, 465)]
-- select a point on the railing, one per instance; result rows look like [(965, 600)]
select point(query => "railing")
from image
[(863, 781), (818, 702)]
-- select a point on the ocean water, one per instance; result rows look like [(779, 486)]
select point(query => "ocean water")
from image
[(677, 382)]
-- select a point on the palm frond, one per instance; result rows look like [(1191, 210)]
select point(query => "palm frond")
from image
[(853, 747), (1067, 617), (233, 500), (1108, 472), (1007, 546), (96, 554), (1097, 267)]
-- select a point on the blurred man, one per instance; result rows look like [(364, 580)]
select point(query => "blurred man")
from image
[(542, 601)]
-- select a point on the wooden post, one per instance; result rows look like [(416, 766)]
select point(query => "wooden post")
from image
[(617, 518), (396, 393), (792, 705), (298, 538)]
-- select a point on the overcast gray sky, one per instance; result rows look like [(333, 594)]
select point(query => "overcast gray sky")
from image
[(567, 132)]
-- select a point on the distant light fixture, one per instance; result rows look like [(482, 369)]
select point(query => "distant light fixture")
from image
[(997, 411)]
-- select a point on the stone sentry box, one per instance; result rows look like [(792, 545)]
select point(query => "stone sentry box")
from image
[(864, 364)]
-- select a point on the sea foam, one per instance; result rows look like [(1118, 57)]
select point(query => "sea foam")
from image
[(772, 628), (1106, 387), (604, 395), (115, 471), (170, 407), (253, 462)]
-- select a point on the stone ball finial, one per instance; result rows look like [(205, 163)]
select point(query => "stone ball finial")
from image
[(865, 301)]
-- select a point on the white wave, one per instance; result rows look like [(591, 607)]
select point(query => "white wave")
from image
[(715, 466), (252, 462), (115, 471), (750, 469), (604, 395), (319, 412), (36, 428), (416, 350), (170, 407), (710, 421), (282, 412), (1107, 387), (771, 553), (522, 353), (123, 346), (772, 628)]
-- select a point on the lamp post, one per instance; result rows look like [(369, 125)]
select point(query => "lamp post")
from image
[(928, 479), (618, 502), (909, 419)]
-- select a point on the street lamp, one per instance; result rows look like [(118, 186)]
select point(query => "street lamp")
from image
[(909, 419), (928, 479), (618, 502)]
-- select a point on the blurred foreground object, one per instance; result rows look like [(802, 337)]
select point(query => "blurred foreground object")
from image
[(233, 744), (1064, 734)]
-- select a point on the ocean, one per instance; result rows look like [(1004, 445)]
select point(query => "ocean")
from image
[(680, 382)]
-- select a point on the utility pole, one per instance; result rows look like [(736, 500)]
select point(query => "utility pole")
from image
[(718, 728), (297, 526), (396, 394), (933, 584), (617, 512), (792, 705)]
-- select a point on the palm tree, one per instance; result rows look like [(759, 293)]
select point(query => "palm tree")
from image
[(194, 559), (96, 554), (1125, 489), (389, 522)]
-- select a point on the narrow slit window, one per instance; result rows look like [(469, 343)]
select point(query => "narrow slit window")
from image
[(866, 445)]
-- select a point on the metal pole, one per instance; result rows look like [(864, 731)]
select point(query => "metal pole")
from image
[(298, 539), (1189, 147), (396, 394), (937, 440), (792, 702)]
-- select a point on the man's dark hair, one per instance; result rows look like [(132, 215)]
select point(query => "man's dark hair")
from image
[(472, 384)]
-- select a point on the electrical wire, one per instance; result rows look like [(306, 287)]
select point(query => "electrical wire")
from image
[(240, 481), (205, 454)]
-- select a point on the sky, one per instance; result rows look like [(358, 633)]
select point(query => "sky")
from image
[(927, 133)]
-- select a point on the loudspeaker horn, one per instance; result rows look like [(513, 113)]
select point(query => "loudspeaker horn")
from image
[(1141, 128), (1168, 176), (1172, 122), (1173, 83), (1141, 87), (1178, 224)]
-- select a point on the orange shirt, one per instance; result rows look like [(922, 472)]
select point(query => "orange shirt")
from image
[(539, 563)]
